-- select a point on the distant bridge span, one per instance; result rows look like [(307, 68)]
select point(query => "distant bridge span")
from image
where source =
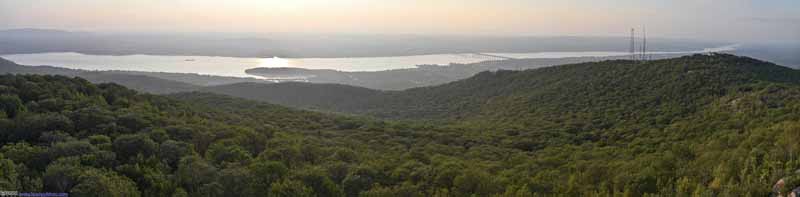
[(489, 56)]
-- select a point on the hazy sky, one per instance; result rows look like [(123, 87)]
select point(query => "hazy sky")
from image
[(739, 20)]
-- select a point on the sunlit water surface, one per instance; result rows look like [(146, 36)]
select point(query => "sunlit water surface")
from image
[(235, 66)]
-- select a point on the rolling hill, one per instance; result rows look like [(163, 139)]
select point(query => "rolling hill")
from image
[(422, 75), (143, 83), (686, 82), (701, 125), (307, 95)]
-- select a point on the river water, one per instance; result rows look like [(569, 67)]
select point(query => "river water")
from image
[(235, 66)]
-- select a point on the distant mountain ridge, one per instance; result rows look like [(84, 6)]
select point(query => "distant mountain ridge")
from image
[(290, 45), (34, 31)]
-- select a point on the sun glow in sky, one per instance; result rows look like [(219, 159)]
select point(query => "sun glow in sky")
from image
[(705, 19)]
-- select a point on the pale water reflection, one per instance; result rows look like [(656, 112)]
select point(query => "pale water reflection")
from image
[(235, 66)]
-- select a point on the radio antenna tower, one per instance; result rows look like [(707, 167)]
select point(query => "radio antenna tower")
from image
[(633, 44), (644, 44)]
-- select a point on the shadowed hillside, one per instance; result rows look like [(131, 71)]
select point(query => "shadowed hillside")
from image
[(706, 125), (681, 84), (138, 82)]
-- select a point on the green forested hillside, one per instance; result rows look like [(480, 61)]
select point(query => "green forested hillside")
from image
[(137, 81), (305, 95), (633, 110), (598, 87), (693, 126)]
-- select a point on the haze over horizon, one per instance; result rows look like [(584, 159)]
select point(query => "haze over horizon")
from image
[(731, 20), (399, 98)]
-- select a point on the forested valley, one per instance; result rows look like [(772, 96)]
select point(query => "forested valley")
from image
[(700, 125)]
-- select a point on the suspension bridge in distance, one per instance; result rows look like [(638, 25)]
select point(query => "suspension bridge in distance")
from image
[(486, 56)]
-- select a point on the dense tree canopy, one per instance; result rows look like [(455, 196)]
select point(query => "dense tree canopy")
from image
[(694, 126)]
